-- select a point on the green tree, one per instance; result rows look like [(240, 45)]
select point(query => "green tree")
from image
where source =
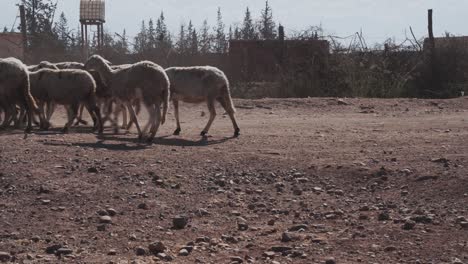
[(141, 39), (248, 29), (63, 32), (194, 42), (220, 45), (151, 36), (182, 40), (163, 36), (267, 26), (205, 41)]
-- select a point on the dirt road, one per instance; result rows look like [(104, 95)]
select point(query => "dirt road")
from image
[(308, 181)]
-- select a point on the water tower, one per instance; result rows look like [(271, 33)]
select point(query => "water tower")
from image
[(92, 13)]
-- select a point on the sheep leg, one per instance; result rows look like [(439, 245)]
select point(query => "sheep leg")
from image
[(152, 116), (79, 118), (230, 111), (95, 113), (50, 110), (72, 113), (134, 117), (115, 120), (156, 123), (44, 123), (124, 117), (212, 110), (176, 114)]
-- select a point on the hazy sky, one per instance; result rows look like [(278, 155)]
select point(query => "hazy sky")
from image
[(378, 19)]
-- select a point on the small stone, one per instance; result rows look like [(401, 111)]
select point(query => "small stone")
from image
[(157, 247), (132, 237), (101, 228), (112, 252), (64, 251), (111, 211), (140, 251), (179, 222), (383, 216), (35, 239), (271, 222), (4, 256), (457, 261), (269, 254), (390, 249), (236, 259), (143, 206), (409, 225), (45, 202), (464, 225), (53, 248), (184, 252), (105, 219), (280, 249), (92, 170), (330, 261), (286, 237), (164, 257), (298, 227)]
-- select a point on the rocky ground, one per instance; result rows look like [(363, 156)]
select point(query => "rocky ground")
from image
[(308, 181)]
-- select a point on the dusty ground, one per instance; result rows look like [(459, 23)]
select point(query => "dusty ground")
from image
[(339, 181)]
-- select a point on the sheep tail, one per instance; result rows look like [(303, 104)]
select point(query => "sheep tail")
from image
[(165, 105)]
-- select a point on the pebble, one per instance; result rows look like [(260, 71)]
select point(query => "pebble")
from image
[(4, 256), (64, 251), (111, 211), (164, 256), (298, 228), (143, 206), (330, 261), (236, 259), (383, 216), (409, 225), (105, 219), (140, 251), (179, 222), (280, 249), (93, 170), (112, 252), (157, 247), (183, 252)]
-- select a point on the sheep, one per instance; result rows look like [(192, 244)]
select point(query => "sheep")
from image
[(145, 80), (69, 65), (42, 65), (67, 87), (15, 89), (201, 84)]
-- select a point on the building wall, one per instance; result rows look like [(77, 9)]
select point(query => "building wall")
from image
[(11, 45)]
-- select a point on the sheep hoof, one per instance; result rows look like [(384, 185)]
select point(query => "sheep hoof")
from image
[(237, 132), (28, 130), (203, 133), (177, 132), (65, 130)]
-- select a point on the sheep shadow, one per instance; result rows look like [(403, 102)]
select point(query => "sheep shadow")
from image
[(181, 142)]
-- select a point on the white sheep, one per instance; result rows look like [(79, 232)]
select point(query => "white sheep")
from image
[(69, 88), (201, 84), (144, 80), (69, 65), (15, 89)]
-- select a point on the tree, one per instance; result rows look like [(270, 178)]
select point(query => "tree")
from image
[(194, 42), (39, 18), (248, 30), (5, 30), (182, 39), (151, 36), (121, 45), (163, 36), (220, 45), (205, 38), (141, 39), (267, 26), (237, 33), (63, 32)]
